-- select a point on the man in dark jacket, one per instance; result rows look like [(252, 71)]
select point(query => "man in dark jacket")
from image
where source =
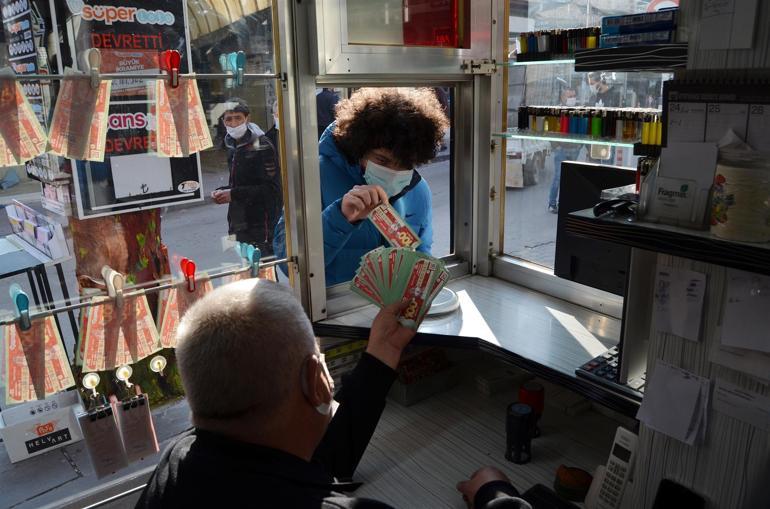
[(265, 431), (254, 192)]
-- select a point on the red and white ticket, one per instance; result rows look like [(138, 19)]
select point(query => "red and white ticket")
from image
[(181, 122), (36, 365), (21, 136), (174, 303), (117, 336), (416, 291), (393, 227), (79, 123)]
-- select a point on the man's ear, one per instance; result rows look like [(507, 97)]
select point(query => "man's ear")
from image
[(317, 389)]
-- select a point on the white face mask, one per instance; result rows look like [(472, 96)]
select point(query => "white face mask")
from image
[(237, 132), (392, 181), (571, 101)]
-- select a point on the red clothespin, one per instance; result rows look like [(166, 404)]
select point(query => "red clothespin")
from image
[(188, 270), (171, 60)]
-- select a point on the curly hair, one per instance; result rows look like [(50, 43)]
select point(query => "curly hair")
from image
[(409, 122)]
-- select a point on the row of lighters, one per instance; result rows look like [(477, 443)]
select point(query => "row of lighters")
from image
[(613, 124), (559, 41)]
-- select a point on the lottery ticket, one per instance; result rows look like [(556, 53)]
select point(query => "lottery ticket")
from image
[(393, 227), (36, 365), (174, 303), (79, 123), (181, 122), (118, 335), (21, 136)]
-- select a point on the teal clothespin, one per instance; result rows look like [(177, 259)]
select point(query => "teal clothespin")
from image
[(223, 63), (232, 65), (240, 65), (251, 254), (254, 257), (21, 306)]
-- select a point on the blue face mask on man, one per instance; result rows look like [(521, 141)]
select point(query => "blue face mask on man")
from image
[(392, 181)]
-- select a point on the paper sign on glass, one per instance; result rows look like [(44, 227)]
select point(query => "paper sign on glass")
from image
[(172, 306), (21, 136), (79, 123), (181, 122), (117, 336), (36, 365)]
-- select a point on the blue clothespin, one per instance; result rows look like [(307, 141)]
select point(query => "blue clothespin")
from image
[(251, 254), (240, 65), (254, 257), (225, 68), (232, 65), (21, 306)]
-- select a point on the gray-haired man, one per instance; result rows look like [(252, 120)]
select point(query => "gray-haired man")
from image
[(261, 400)]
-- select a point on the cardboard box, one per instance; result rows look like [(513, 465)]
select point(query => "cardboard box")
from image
[(37, 427)]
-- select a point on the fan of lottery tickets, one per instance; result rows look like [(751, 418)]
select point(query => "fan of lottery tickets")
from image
[(36, 365), (21, 136), (181, 122)]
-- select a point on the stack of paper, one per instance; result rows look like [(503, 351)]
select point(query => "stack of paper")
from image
[(676, 403)]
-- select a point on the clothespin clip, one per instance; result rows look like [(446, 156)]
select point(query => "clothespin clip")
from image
[(123, 373), (188, 271), (240, 65), (21, 306), (225, 68), (171, 61), (94, 63), (158, 364), (253, 256), (90, 382), (114, 281), (232, 65)]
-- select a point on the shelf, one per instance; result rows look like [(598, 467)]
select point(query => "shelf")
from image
[(673, 240), (656, 57), (582, 139)]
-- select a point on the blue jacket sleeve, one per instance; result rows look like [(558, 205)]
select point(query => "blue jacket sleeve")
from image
[(337, 231), (426, 226)]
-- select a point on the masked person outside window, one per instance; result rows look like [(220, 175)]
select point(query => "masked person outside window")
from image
[(367, 157), (254, 190)]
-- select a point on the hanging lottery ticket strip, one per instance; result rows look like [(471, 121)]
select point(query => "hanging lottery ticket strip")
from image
[(181, 122), (79, 124), (21, 136), (114, 331), (36, 365)]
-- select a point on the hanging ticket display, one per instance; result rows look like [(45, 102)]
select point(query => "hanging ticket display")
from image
[(79, 123), (36, 365), (114, 336), (21, 136), (102, 437), (172, 306), (137, 428), (181, 122)]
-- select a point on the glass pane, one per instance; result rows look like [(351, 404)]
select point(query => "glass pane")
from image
[(533, 167), (148, 242), (423, 200), (443, 23)]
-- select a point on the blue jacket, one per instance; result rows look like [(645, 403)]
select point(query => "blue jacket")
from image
[(345, 243)]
